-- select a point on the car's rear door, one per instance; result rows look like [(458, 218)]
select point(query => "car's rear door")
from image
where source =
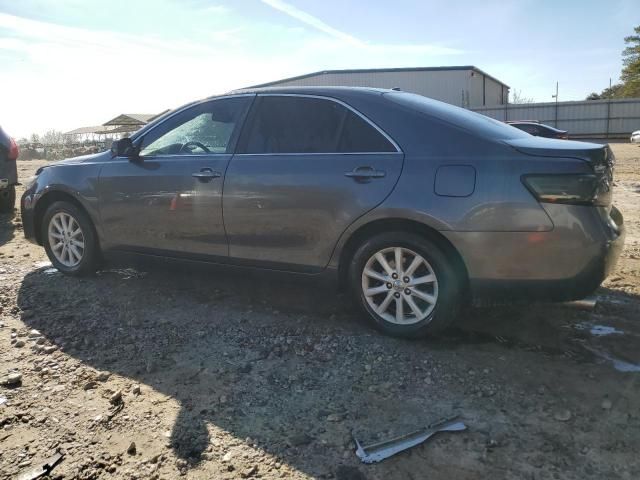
[(306, 167), (169, 201)]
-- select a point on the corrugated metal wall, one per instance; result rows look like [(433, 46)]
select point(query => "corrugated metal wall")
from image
[(458, 87), (589, 118)]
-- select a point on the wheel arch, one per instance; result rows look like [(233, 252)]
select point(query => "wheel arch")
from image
[(46, 200), (399, 225)]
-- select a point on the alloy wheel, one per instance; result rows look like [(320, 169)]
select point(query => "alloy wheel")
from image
[(66, 239), (400, 285)]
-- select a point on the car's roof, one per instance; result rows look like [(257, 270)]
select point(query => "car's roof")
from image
[(320, 91), (480, 125), (340, 93)]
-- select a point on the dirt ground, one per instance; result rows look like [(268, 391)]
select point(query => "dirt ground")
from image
[(173, 373)]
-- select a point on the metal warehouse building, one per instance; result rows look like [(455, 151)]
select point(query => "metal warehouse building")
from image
[(465, 86)]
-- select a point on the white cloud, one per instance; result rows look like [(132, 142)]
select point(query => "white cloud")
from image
[(64, 77), (217, 9), (323, 27), (312, 21)]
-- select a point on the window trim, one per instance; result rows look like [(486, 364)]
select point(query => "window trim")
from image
[(139, 138), (322, 97)]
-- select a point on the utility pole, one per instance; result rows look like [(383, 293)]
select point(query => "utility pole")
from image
[(556, 97), (608, 108)]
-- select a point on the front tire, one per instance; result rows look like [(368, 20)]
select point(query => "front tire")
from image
[(69, 239), (8, 199), (405, 284)]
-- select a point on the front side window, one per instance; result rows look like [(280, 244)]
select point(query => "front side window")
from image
[(203, 129), (290, 124)]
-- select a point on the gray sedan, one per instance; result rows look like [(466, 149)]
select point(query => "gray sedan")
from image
[(416, 206)]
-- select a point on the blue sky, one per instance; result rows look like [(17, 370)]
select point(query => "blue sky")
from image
[(71, 63)]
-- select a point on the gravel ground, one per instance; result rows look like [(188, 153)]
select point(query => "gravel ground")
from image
[(164, 372)]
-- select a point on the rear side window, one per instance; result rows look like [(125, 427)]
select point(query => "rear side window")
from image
[(290, 124), (475, 123), (360, 136)]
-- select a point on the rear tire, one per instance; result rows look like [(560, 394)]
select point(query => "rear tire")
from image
[(8, 199), (69, 239), (418, 299)]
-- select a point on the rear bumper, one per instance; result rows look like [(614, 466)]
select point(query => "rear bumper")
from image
[(8, 174), (574, 288), (568, 263)]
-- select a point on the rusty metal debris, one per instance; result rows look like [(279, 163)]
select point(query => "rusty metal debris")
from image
[(43, 469), (377, 452)]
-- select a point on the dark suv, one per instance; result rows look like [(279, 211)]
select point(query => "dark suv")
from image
[(8, 172), (417, 206)]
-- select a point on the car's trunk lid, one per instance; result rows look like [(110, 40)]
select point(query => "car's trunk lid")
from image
[(599, 157)]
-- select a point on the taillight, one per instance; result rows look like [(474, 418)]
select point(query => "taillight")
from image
[(575, 189), (13, 150)]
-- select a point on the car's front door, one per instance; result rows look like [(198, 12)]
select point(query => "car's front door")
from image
[(305, 168), (169, 200)]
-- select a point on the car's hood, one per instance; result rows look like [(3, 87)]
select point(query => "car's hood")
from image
[(82, 159)]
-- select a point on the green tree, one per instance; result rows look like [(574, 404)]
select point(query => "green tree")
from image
[(518, 97), (614, 91), (631, 60), (630, 76), (52, 137)]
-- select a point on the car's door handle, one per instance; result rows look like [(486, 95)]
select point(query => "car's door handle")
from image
[(206, 174), (365, 173)]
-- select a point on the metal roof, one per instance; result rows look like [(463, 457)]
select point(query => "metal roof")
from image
[(123, 123), (131, 119), (81, 130), (381, 70)]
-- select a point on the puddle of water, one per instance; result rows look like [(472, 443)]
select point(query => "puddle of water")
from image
[(615, 300), (598, 330), (618, 364), (601, 330)]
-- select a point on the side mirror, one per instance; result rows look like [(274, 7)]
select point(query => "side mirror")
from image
[(124, 148)]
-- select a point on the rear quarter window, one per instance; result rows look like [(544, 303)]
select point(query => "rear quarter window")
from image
[(358, 136), (472, 122)]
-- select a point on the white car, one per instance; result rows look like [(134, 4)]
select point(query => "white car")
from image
[(635, 137)]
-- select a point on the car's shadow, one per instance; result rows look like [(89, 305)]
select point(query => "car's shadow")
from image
[(7, 227), (282, 362)]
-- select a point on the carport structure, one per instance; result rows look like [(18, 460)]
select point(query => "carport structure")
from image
[(120, 126), (129, 122)]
